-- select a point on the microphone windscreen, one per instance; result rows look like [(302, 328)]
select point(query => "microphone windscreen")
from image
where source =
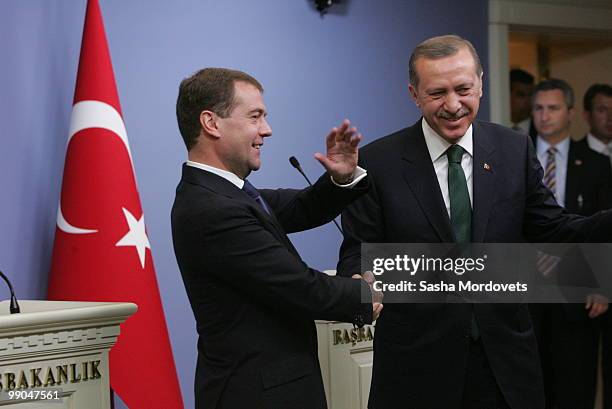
[(294, 162)]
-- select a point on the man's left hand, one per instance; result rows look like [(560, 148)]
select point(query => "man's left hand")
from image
[(342, 152), (597, 304)]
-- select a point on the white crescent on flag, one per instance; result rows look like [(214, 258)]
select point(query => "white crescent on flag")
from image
[(92, 114)]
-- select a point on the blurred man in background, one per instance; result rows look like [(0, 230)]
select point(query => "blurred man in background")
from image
[(581, 181), (597, 105), (521, 89), (598, 114)]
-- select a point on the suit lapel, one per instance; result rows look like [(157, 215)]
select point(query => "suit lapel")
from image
[(226, 188), (484, 166), (271, 222), (419, 174), (574, 172)]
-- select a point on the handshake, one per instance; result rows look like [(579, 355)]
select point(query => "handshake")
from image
[(377, 296)]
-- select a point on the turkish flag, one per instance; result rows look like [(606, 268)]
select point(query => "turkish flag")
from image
[(101, 250)]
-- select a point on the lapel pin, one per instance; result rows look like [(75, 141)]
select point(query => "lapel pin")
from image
[(486, 166), (578, 162)]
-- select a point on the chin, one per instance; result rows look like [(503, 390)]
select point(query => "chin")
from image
[(454, 132), (546, 135), (454, 135)]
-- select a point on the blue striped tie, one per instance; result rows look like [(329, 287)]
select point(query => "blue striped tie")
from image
[(254, 194)]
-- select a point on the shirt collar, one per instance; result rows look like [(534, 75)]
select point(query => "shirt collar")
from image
[(229, 176), (562, 147), (597, 145), (437, 146)]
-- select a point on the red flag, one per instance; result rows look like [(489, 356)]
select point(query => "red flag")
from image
[(101, 250)]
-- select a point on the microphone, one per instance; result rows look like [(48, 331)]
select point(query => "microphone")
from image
[(296, 164), (14, 308)]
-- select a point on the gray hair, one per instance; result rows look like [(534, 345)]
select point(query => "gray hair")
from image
[(439, 47), (553, 84)]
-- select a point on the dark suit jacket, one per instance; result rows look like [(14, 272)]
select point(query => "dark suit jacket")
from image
[(588, 189), (588, 176), (533, 132), (421, 350), (253, 298)]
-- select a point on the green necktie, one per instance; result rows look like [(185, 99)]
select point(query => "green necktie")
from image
[(460, 208)]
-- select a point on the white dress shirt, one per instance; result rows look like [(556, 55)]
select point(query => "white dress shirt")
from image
[(229, 176), (599, 146), (561, 158), (358, 174), (437, 147)]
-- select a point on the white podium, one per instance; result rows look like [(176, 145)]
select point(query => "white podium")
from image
[(346, 355), (61, 347)]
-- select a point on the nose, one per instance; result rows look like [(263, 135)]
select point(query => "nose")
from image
[(452, 103), (265, 130)]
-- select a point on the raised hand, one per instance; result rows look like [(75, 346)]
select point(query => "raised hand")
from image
[(342, 153)]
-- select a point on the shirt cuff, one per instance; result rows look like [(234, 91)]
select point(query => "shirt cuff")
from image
[(358, 174)]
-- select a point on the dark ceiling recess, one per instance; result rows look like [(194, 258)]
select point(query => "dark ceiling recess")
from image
[(323, 5)]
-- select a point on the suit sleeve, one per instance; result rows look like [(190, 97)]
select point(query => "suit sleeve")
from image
[(239, 251), (299, 210), (362, 222), (605, 183)]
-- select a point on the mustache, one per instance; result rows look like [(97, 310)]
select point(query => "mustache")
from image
[(453, 116)]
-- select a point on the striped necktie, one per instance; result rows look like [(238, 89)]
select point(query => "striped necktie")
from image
[(254, 194), (550, 172), (547, 263)]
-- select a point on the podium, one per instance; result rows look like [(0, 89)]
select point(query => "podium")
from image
[(54, 354), (346, 355)]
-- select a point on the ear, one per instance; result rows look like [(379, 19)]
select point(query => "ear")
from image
[(209, 123), (413, 94), (480, 88)]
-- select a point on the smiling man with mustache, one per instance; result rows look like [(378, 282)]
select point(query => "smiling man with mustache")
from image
[(450, 178)]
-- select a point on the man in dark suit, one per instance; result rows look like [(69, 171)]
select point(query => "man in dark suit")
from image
[(581, 181), (253, 297), (521, 91), (597, 105), (450, 178)]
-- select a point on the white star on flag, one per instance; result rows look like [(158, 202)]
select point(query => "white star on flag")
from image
[(136, 236)]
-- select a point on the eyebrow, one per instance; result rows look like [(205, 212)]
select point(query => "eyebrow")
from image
[(547, 105), (258, 111), (442, 89)]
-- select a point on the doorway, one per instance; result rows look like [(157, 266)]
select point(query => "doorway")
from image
[(560, 38), (579, 59)]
